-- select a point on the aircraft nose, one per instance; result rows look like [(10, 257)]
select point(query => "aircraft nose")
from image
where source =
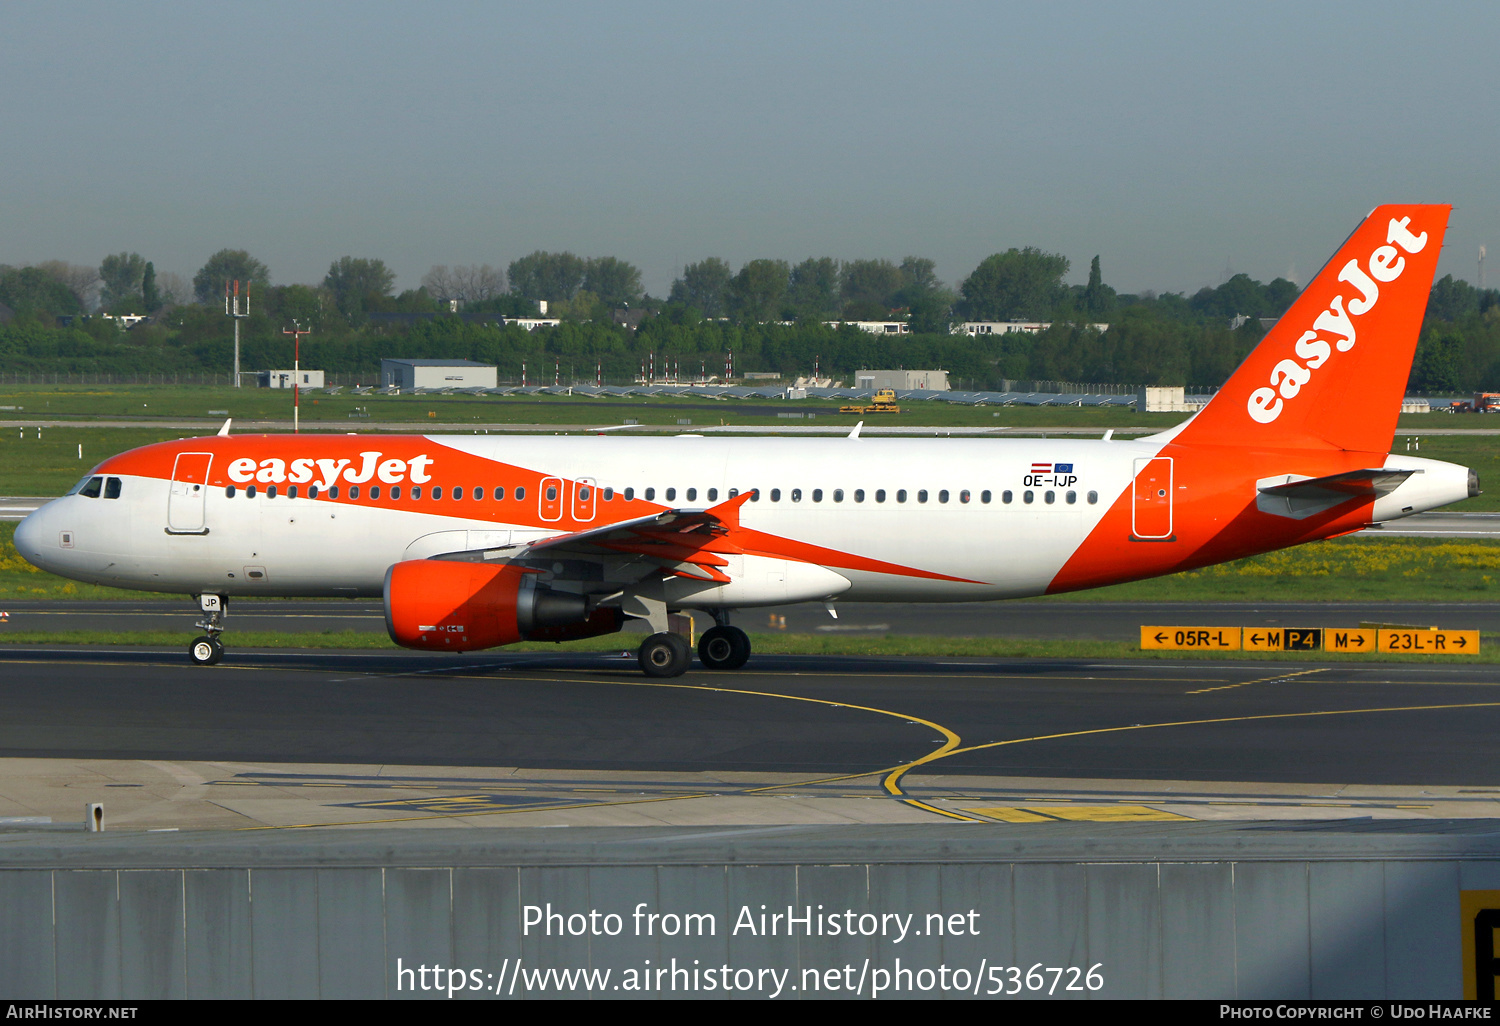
[(30, 537)]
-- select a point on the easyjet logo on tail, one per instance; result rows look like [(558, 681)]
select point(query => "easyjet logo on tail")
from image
[(329, 472), (1383, 266)]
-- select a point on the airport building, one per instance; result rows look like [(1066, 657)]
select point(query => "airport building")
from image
[(412, 374), (902, 380), (1008, 327), (286, 378)]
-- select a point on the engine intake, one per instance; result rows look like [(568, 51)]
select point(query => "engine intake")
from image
[(451, 606)]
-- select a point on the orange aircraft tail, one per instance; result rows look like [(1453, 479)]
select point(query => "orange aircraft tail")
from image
[(1332, 371)]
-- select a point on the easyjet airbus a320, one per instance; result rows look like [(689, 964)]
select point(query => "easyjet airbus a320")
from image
[(476, 542)]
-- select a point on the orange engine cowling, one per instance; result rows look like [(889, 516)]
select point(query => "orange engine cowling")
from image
[(455, 606)]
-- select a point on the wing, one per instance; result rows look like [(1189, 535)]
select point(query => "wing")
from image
[(1288, 495), (677, 542)]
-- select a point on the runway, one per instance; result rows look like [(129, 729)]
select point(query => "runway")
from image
[(1108, 621), (298, 739)]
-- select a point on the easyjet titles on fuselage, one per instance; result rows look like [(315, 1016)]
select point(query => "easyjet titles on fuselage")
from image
[(330, 471)]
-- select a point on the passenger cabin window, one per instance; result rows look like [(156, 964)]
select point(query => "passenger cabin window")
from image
[(520, 494), (354, 491), (395, 492), (922, 495), (1050, 497), (112, 488), (1072, 498), (583, 493), (333, 493), (437, 491), (629, 494), (609, 494), (458, 493), (312, 491), (416, 492), (984, 496), (817, 495), (250, 491), (880, 495), (291, 493), (1028, 496), (901, 495), (229, 492), (1093, 498), (93, 488), (859, 495), (838, 495), (552, 493), (963, 496), (692, 494), (499, 494), (943, 495), (1005, 497), (796, 494), (271, 491), (650, 494), (375, 492), (775, 494), (713, 495), (671, 494)]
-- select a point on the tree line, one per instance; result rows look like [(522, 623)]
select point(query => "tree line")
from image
[(769, 313)]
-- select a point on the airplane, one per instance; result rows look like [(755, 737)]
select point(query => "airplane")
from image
[(475, 542)]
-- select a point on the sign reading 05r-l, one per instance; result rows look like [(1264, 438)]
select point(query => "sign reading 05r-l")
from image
[(1213, 639)]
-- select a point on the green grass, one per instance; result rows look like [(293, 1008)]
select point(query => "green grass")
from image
[(764, 644), (1360, 569)]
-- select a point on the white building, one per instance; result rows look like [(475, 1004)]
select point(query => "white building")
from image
[(410, 374), (1164, 399), (1008, 327), (286, 378), (873, 327), (532, 323), (902, 380)]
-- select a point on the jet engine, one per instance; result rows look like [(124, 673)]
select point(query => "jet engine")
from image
[(452, 606)]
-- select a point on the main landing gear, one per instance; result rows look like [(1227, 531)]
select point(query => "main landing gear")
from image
[(721, 647), (208, 650)]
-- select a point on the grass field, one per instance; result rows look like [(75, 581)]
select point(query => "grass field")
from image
[(177, 402), (1368, 569)]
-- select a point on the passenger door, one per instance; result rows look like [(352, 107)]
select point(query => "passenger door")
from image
[(1151, 512), (189, 493)]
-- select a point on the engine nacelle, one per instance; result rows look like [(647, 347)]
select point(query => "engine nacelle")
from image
[(454, 606)]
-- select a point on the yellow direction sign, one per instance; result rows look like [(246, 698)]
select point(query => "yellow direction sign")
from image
[(1351, 640), (1282, 639), (1430, 642), (1216, 639)]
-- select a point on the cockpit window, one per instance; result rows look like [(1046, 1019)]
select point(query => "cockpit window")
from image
[(92, 488), (112, 488), (76, 489)]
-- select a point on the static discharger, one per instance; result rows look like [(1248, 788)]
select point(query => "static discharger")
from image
[(1409, 640)]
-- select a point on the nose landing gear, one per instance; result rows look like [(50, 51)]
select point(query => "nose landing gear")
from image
[(208, 650)]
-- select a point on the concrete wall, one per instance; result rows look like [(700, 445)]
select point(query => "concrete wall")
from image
[(1213, 929)]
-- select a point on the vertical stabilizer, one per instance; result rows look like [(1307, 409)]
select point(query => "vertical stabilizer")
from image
[(1332, 372)]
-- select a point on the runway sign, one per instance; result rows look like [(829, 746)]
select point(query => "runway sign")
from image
[(1216, 639), (1430, 642), (1282, 639), (1357, 639)]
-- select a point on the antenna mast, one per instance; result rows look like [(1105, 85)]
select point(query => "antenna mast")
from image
[(297, 332), (232, 309)]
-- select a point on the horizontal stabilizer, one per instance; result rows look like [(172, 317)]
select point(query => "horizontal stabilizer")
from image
[(1290, 495)]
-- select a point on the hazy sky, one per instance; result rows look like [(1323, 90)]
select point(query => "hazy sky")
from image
[(1176, 140)]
